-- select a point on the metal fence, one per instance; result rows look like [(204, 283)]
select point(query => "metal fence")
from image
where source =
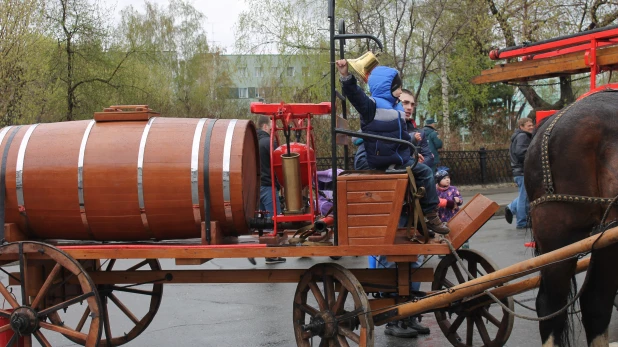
[(465, 167)]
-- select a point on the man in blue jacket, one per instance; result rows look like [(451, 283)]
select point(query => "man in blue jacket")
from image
[(381, 114)]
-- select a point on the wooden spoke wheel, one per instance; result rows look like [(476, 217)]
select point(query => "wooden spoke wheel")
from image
[(330, 306), (471, 323), (127, 309), (35, 310)]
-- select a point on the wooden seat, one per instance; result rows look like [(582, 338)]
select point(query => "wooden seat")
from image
[(369, 206)]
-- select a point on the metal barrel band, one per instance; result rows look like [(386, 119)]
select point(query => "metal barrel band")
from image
[(195, 152), (227, 158), (205, 162), (140, 180), (3, 176), (80, 178), (19, 177)]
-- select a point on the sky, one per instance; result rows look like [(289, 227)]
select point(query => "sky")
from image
[(221, 17)]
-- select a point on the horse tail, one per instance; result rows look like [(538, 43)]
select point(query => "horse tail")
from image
[(568, 333)]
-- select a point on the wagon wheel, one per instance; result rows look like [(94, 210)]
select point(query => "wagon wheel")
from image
[(328, 314), (35, 315), (487, 325), (122, 306)]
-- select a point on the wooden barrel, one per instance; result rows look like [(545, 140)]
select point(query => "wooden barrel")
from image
[(130, 180)]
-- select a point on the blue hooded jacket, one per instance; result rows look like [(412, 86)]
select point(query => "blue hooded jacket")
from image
[(381, 115)]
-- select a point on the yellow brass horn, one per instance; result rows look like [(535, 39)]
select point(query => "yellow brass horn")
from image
[(363, 65)]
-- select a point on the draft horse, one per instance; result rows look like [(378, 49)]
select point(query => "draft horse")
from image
[(571, 176)]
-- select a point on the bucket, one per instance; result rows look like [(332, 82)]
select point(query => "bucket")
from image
[(6, 336)]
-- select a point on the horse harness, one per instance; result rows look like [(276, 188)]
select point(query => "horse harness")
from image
[(548, 183)]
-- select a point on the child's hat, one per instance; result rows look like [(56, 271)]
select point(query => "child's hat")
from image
[(441, 173)]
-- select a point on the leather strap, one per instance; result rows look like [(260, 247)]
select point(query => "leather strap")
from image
[(416, 210)]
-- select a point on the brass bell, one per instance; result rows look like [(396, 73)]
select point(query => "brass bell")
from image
[(363, 65)]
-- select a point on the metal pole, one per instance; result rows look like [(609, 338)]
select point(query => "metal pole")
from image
[(483, 156), (333, 114), (344, 111)]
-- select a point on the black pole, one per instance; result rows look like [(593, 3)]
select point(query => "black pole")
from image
[(344, 111), (483, 156), (333, 114)]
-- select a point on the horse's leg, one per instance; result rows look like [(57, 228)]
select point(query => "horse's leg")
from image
[(554, 295), (598, 296)]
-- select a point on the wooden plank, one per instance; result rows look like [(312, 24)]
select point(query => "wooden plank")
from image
[(365, 208), (403, 278), (567, 64), (402, 258), (196, 261), (470, 219), (342, 206), (402, 247), (386, 277), (370, 196), (367, 241), (379, 304), (372, 184), (402, 186), (366, 231), (13, 234), (369, 220), (360, 176)]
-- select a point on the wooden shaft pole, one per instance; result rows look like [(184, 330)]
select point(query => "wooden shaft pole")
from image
[(498, 277), (513, 289)]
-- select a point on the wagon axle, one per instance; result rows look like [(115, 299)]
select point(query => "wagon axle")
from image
[(24, 320)]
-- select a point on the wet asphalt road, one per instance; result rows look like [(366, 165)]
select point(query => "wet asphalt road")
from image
[(261, 314)]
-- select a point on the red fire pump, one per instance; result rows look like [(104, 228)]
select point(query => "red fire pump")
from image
[(293, 163)]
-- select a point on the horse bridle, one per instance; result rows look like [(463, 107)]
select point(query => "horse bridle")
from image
[(548, 182)]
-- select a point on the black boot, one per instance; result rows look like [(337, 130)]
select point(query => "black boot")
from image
[(413, 323), (399, 329), (435, 224)]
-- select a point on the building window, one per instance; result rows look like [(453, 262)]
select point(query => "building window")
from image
[(290, 71), (259, 72), (242, 71), (243, 93)]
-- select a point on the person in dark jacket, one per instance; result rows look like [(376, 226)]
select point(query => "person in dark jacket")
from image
[(418, 135), (381, 114), (520, 140), (266, 194), (433, 140)]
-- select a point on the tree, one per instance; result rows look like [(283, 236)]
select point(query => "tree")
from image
[(85, 54), (17, 38), (185, 76), (531, 20)]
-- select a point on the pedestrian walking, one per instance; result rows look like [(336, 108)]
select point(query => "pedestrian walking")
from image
[(520, 140)]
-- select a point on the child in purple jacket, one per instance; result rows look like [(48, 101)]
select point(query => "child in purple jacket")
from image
[(450, 198)]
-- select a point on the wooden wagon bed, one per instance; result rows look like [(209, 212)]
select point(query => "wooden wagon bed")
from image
[(191, 252)]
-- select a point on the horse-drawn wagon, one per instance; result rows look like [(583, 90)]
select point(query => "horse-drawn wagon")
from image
[(76, 197)]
